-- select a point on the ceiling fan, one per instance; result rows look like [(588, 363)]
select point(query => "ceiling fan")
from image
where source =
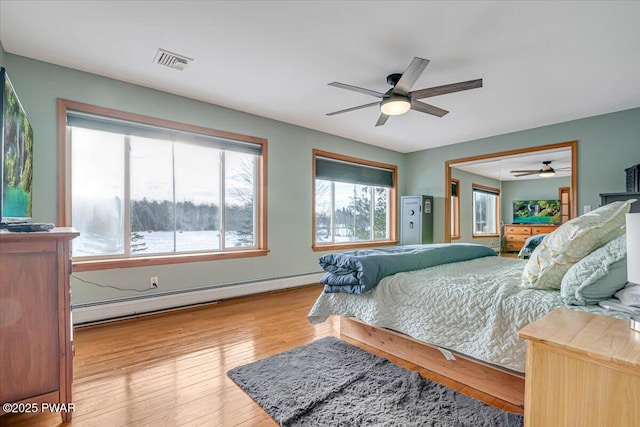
[(545, 172), (400, 98)]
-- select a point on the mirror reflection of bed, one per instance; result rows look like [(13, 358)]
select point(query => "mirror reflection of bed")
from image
[(460, 318)]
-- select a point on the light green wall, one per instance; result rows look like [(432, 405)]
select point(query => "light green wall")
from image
[(607, 145), (530, 189), (1, 55), (39, 84), (466, 206)]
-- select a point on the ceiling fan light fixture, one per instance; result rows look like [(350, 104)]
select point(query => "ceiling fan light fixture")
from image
[(547, 171), (395, 105)]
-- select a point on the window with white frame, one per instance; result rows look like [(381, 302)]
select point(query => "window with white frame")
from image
[(486, 211), (145, 190), (354, 201)]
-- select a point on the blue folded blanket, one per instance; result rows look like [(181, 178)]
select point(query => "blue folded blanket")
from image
[(530, 245), (359, 271)]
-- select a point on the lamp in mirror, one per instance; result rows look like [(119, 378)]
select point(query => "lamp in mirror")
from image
[(547, 171)]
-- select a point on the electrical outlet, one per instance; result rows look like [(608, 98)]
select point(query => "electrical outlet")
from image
[(153, 282)]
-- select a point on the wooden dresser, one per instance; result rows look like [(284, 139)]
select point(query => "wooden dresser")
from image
[(35, 320), (582, 370), (516, 234)]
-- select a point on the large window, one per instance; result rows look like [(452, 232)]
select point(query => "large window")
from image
[(486, 211), (143, 189), (354, 202)]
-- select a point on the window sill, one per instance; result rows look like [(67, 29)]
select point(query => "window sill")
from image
[(353, 245), (106, 264), (479, 236)]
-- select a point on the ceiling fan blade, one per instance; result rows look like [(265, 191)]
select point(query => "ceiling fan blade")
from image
[(441, 90), (382, 119), (354, 108), (410, 76), (427, 108), (357, 89), (525, 171)]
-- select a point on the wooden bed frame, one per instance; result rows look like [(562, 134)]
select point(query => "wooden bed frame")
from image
[(503, 384)]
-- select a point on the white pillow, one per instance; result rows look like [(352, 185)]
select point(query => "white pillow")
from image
[(630, 295), (597, 276), (571, 242)]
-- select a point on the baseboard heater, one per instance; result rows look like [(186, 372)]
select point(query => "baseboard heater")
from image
[(84, 314)]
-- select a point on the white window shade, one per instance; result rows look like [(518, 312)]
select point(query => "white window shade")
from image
[(126, 127)]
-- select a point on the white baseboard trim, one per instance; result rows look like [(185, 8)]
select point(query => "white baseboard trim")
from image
[(96, 312)]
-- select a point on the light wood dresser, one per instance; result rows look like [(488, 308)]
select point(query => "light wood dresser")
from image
[(516, 234), (582, 370), (35, 321)]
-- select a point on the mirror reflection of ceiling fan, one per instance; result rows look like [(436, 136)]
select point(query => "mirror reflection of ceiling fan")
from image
[(400, 98), (546, 171)]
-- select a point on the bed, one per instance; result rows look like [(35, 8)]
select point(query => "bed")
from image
[(460, 319)]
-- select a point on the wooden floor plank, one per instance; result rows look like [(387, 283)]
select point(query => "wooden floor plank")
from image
[(170, 369)]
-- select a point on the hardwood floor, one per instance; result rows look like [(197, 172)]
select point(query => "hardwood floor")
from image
[(170, 369)]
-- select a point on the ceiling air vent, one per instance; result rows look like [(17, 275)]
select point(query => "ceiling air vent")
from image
[(170, 59)]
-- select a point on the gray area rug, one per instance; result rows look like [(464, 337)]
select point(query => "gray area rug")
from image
[(332, 383)]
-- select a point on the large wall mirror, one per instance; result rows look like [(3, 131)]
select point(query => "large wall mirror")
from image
[(525, 191)]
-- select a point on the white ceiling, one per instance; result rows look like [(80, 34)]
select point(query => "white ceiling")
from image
[(541, 62)]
